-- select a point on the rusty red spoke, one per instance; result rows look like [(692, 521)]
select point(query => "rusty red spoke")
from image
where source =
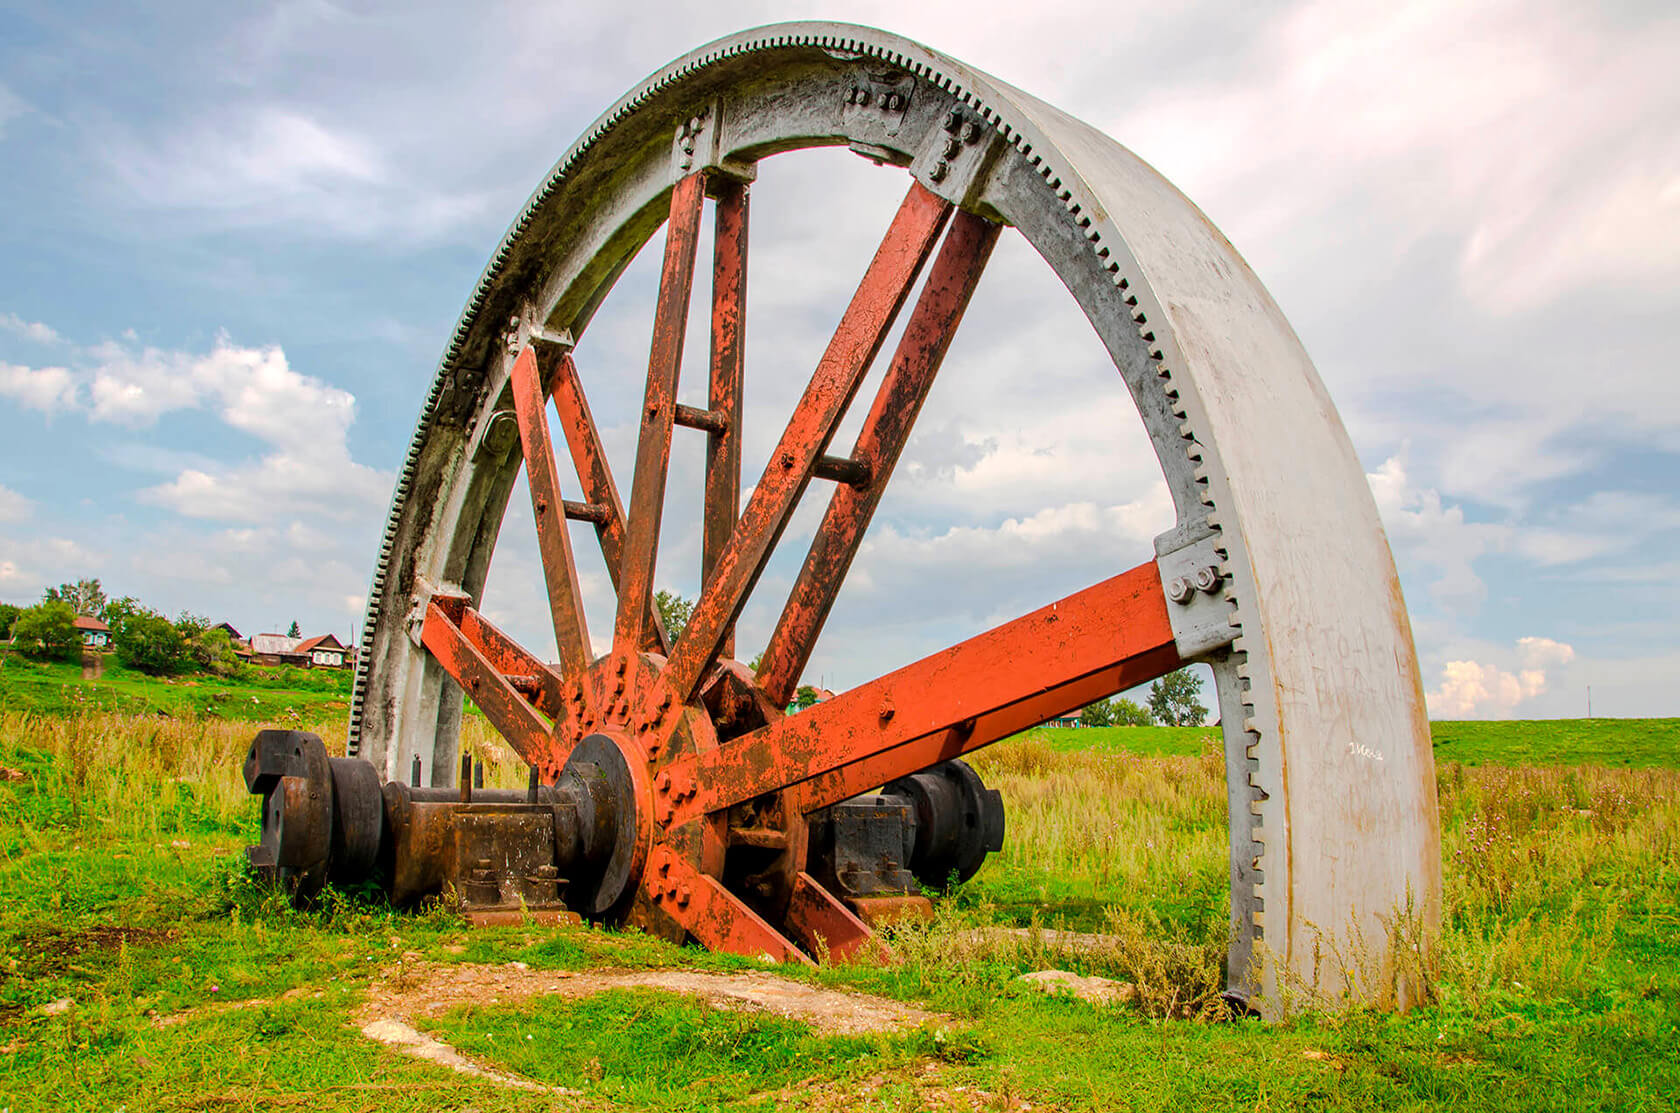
[(530, 677), (565, 599), (514, 718), (862, 330), (922, 348), (589, 457), (823, 923), (711, 913), (729, 329), (918, 754), (1119, 620), (653, 445)]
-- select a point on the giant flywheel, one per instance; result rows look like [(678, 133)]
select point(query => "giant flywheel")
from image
[(668, 787)]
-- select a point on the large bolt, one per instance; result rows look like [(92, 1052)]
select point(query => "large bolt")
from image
[(953, 121), (1181, 590), (1208, 579), (939, 170), (971, 132)]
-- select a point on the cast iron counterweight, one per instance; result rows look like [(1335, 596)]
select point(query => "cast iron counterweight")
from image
[(1276, 572)]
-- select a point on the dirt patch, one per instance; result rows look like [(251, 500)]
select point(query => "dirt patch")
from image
[(413, 992), (421, 990), (1098, 991)]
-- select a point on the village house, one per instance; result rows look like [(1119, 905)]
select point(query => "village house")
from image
[(324, 651), (95, 634)]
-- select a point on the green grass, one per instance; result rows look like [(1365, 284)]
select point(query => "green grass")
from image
[(257, 693), (1556, 982), (1629, 742)]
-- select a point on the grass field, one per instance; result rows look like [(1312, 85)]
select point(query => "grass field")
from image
[(256, 695), (124, 908)]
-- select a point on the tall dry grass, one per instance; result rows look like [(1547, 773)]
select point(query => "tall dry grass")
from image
[(1544, 867)]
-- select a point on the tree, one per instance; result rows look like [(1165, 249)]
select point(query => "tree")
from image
[(47, 631), (1173, 699), (8, 615), (213, 650), (119, 611), (294, 632), (1099, 714), (805, 696), (151, 643), (84, 597), (1130, 713), (674, 611)]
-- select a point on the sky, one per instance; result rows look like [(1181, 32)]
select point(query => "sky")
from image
[(234, 239)]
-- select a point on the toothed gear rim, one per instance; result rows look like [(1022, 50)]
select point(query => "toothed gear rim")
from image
[(1321, 678)]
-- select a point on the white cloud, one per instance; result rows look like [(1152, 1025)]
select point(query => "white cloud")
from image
[(1429, 533), (13, 506), (47, 389), (29, 330), (1473, 688)]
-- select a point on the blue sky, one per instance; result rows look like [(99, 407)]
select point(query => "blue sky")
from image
[(235, 238)]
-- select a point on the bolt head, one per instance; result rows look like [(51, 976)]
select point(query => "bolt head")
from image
[(1208, 579), (953, 121), (940, 170), (1180, 590), (971, 131), (953, 147), (863, 97)]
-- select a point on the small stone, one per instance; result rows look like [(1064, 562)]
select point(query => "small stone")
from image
[(58, 1007), (1098, 991)]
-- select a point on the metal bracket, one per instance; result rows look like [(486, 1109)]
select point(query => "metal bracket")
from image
[(421, 598), (698, 145), (877, 100), (1193, 576), (955, 160)]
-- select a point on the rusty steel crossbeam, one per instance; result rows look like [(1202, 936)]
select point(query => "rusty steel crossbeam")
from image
[(814, 914), (653, 445), (1092, 630), (927, 336), (711, 913), (921, 753), (729, 335), (565, 599), (589, 458), (862, 330), (513, 718), (512, 660)]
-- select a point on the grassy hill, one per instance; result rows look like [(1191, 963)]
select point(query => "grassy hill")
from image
[(258, 694), (1630, 742)]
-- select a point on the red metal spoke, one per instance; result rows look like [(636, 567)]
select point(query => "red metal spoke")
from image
[(711, 913), (589, 457), (1099, 628), (653, 446), (513, 718), (530, 677), (729, 335), (565, 599), (815, 914), (921, 350), (862, 330), (872, 772)]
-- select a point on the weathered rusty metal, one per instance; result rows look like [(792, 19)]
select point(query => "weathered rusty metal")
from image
[(933, 322), (565, 599), (1088, 632), (653, 445), (729, 330), (862, 330), (823, 923), (514, 719), (606, 510)]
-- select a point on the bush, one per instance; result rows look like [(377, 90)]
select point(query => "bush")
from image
[(8, 616), (1130, 713), (47, 631), (151, 644)]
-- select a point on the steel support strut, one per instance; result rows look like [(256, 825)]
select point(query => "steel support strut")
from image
[(862, 331), (1096, 631)]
